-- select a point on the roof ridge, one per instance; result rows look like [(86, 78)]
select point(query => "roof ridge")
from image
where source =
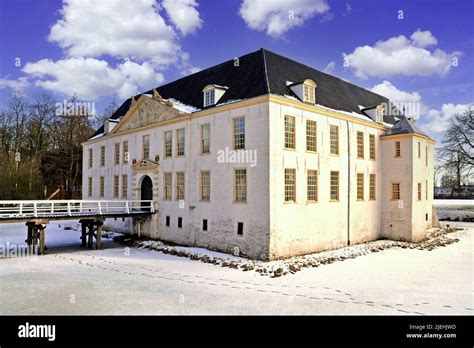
[(265, 71)]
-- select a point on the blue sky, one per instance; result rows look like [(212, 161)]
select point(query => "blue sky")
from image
[(411, 51)]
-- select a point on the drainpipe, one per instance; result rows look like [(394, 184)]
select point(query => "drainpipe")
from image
[(348, 184)]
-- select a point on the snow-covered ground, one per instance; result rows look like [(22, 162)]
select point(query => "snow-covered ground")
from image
[(450, 202), (122, 280)]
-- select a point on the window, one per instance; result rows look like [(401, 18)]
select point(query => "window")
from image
[(397, 149), (360, 186), (117, 153), (102, 187), (205, 194), (179, 185), (289, 132), (209, 98), (312, 186), (426, 190), (372, 187), (204, 224), (240, 228), (240, 185), (167, 221), (309, 94), (395, 191), (116, 186), (168, 144), (205, 139), (334, 138), (168, 184), (419, 191), (102, 156), (180, 142), (91, 157), (360, 144), (334, 186), (89, 188), (290, 185), (125, 154), (419, 150), (311, 136), (372, 146), (124, 185), (180, 222), (146, 147), (239, 133)]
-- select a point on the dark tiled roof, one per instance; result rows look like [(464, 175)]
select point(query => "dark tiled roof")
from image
[(404, 126), (259, 73)]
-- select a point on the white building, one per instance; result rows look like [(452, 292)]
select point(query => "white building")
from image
[(264, 156)]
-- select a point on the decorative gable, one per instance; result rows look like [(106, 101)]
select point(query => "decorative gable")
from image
[(147, 110)]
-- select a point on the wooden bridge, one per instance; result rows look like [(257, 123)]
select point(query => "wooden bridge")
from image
[(91, 215)]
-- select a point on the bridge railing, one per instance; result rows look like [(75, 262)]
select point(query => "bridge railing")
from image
[(73, 207)]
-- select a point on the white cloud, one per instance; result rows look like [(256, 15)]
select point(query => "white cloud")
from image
[(18, 86), (401, 56), (423, 38), (391, 92), (437, 121), (90, 78), (183, 14), (330, 67), (119, 28), (432, 121), (276, 17)]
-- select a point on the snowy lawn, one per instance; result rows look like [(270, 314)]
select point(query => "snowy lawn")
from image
[(122, 280), (455, 209)]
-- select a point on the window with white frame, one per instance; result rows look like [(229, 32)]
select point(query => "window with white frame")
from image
[(179, 185), (205, 192), (205, 138), (180, 142), (312, 185), (124, 185), (209, 97), (168, 144), (289, 132), (240, 185), (146, 147), (239, 133), (311, 136), (290, 185), (125, 154), (116, 186), (168, 186), (309, 93)]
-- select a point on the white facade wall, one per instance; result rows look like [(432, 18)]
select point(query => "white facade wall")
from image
[(273, 228), (304, 227)]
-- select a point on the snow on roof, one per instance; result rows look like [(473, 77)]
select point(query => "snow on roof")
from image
[(96, 136), (229, 102), (183, 107)]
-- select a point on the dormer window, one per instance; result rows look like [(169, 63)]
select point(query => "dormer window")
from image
[(212, 94), (209, 97), (308, 93), (305, 91)]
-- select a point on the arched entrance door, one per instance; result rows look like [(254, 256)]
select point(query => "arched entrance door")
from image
[(146, 192)]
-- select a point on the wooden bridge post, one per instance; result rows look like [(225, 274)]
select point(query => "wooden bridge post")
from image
[(90, 236), (29, 235), (98, 238), (42, 237), (83, 232)]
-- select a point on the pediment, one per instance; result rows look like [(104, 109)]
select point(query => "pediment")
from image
[(147, 111), (145, 165)]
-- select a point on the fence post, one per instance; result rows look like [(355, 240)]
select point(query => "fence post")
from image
[(21, 208), (127, 208), (100, 209), (35, 210), (69, 208)]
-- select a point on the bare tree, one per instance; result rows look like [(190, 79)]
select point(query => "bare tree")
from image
[(456, 156)]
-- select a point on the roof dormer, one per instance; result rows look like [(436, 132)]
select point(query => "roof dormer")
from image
[(306, 91), (212, 94)]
